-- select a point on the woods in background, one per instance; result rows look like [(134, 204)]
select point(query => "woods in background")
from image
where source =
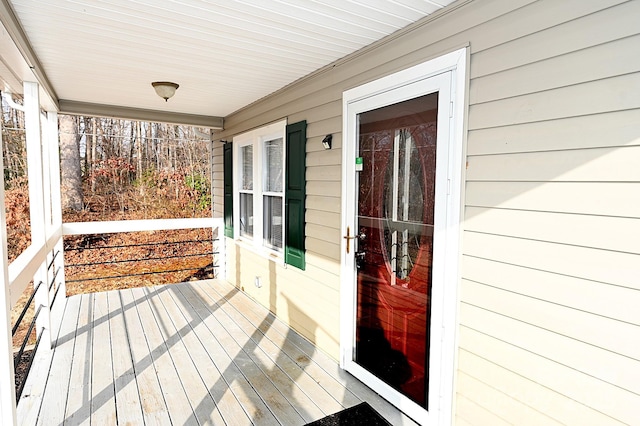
[(111, 169), (133, 169)]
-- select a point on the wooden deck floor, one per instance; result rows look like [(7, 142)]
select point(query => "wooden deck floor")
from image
[(184, 354)]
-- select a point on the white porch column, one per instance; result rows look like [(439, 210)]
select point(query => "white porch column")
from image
[(33, 131), (53, 177), (7, 379)]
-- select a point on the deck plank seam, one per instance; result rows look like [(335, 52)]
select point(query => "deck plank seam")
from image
[(234, 365), (259, 344)]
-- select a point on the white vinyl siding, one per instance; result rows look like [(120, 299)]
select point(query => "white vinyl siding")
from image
[(548, 313)]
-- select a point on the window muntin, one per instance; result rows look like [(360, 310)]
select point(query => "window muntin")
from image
[(259, 208)]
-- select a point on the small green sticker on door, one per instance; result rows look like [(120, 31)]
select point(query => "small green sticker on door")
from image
[(358, 164)]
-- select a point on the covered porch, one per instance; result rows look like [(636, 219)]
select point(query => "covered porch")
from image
[(192, 353), (184, 354)]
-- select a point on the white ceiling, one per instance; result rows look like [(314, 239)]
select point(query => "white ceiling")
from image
[(224, 54)]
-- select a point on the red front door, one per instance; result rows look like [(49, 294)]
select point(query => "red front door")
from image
[(395, 222)]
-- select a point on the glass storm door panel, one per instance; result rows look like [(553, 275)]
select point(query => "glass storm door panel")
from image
[(395, 224)]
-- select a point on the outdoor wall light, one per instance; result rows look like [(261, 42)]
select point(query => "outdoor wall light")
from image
[(165, 89), (326, 142)]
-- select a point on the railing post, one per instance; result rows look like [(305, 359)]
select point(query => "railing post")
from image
[(221, 273), (7, 377), (55, 200), (37, 200)]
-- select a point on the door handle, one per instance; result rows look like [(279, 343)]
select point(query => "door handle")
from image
[(349, 237)]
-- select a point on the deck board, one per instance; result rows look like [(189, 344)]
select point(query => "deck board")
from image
[(250, 401), (78, 409), (127, 396), (174, 395), (203, 405), (184, 354), (203, 349), (54, 401), (154, 409), (103, 401)]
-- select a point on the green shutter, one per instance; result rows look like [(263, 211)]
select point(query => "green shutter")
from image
[(228, 190), (294, 194)]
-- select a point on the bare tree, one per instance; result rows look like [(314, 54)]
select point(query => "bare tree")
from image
[(71, 173)]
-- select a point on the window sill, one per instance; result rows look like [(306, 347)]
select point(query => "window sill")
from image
[(275, 256)]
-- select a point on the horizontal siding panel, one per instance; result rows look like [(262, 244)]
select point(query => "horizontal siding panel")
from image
[(510, 409), (332, 220), (324, 188), (599, 265), (329, 157), (609, 400), (590, 30), (275, 278), (578, 325), (323, 248), (325, 204), (477, 414), (613, 199), (595, 63), (618, 303), (326, 173), (586, 165), (323, 280), (320, 112), (531, 19), (459, 421), (529, 392), (295, 284), (621, 128), (325, 263), (322, 128), (602, 364), (603, 232), (612, 94), (324, 233)]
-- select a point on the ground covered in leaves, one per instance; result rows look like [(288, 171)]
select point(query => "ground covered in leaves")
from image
[(106, 262)]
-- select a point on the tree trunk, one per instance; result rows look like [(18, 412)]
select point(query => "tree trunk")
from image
[(92, 163), (71, 174)]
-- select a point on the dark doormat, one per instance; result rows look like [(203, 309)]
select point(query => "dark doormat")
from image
[(361, 414)]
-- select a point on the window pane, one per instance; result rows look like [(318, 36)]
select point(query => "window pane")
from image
[(247, 167), (273, 153), (246, 215), (273, 222)]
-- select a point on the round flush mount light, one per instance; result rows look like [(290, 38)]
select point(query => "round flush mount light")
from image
[(165, 89)]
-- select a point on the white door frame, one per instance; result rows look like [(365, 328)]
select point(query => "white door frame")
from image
[(446, 73)]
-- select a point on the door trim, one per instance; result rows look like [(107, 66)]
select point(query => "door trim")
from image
[(446, 301)]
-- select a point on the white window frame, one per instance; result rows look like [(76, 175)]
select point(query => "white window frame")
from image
[(257, 138)]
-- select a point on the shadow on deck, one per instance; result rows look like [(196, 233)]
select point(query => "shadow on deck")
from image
[(184, 354)]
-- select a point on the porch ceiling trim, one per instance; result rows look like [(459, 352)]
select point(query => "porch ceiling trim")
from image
[(101, 110)]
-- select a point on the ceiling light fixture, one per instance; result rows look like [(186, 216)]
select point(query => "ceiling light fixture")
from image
[(165, 89)]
